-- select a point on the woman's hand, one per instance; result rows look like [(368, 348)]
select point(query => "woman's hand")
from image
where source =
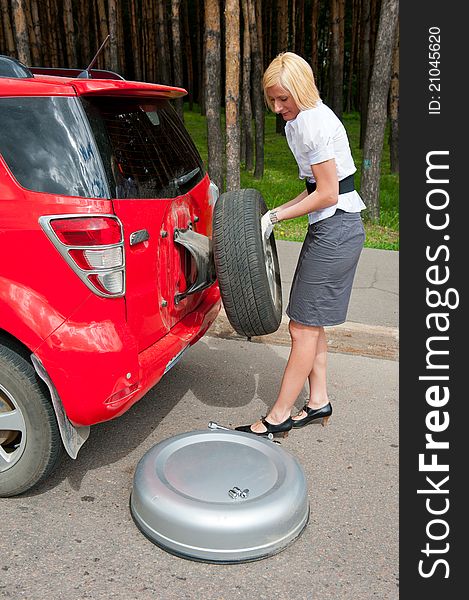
[(266, 225)]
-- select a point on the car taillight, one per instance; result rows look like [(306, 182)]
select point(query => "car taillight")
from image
[(87, 231), (93, 246)]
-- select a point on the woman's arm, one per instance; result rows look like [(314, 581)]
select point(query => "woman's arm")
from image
[(300, 197), (326, 193)]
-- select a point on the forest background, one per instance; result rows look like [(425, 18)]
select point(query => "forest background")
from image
[(217, 50)]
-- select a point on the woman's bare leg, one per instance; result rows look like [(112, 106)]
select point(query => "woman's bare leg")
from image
[(318, 396), (300, 365)]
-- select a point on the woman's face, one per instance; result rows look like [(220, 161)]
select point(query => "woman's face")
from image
[(283, 102)]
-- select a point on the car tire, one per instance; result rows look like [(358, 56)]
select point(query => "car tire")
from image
[(246, 265), (30, 443)]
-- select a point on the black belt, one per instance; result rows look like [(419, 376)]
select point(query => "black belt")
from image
[(345, 185)]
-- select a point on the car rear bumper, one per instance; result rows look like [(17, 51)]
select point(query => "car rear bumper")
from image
[(103, 380)]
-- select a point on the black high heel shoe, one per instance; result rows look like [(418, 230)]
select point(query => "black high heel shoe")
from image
[(280, 430), (312, 414)]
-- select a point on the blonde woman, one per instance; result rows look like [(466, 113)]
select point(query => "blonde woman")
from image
[(322, 284)]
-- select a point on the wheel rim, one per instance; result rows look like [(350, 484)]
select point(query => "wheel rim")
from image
[(271, 270), (12, 431)]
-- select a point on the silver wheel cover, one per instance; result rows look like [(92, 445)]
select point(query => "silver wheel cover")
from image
[(270, 269), (220, 496), (11, 420)]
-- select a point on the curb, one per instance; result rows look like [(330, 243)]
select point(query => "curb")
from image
[(373, 341)]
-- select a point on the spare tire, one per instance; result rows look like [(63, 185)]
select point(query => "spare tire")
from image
[(247, 266)]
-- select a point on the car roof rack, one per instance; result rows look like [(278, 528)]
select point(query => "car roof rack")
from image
[(65, 72), (12, 68)]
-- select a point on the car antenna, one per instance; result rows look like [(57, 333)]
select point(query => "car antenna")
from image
[(86, 73)]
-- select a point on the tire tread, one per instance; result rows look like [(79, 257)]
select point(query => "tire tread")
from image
[(240, 264)]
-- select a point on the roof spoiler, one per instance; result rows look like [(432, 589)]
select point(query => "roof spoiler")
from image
[(63, 72)]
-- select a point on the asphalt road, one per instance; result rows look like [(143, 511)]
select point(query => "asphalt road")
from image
[(74, 537)]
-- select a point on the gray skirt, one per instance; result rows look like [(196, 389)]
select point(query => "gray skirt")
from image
[(323, 279)]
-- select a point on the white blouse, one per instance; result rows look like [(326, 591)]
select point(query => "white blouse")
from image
[(317, 135)]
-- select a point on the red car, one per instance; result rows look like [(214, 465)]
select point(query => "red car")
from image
[(106, 271)]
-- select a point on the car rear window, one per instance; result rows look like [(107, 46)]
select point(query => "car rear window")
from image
[(46, 144), (98, 147), (145, 149)]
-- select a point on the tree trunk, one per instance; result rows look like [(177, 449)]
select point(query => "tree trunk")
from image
[(95, 45), (62, 52), (188, 55), (282, 25), (200, 56), (267, 28), (45, 37), (300, 45), (376, 121), (33, 46), (340, 92), (353, 46), (104, 57), (69, 34), (333, 50), (232, 53), (158, 52), (144, 23), (7, 29), (282, 46), (112, 43), (121, 43), (164, 63), (364, 68), (257, 94), (374, 18), (314, 38), (136, 40), (260, 30), (336, 72), (394, 107), (148, 58), (83, 25), (22, 39), (213, 92), (292, 45), (177, 54), (246, 94)]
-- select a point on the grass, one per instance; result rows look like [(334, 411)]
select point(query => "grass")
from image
[(280, 182)]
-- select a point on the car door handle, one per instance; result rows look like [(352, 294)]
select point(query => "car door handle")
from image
[(139, 236)]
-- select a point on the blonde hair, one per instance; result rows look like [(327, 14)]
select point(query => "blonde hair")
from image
[(295, 75)]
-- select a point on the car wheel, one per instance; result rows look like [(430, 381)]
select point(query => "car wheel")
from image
[(30, 443), (247, 266)]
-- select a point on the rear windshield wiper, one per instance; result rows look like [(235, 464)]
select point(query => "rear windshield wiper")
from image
[(179, 181)]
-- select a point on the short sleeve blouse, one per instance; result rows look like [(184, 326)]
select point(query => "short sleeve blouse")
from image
[(317, 135)]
